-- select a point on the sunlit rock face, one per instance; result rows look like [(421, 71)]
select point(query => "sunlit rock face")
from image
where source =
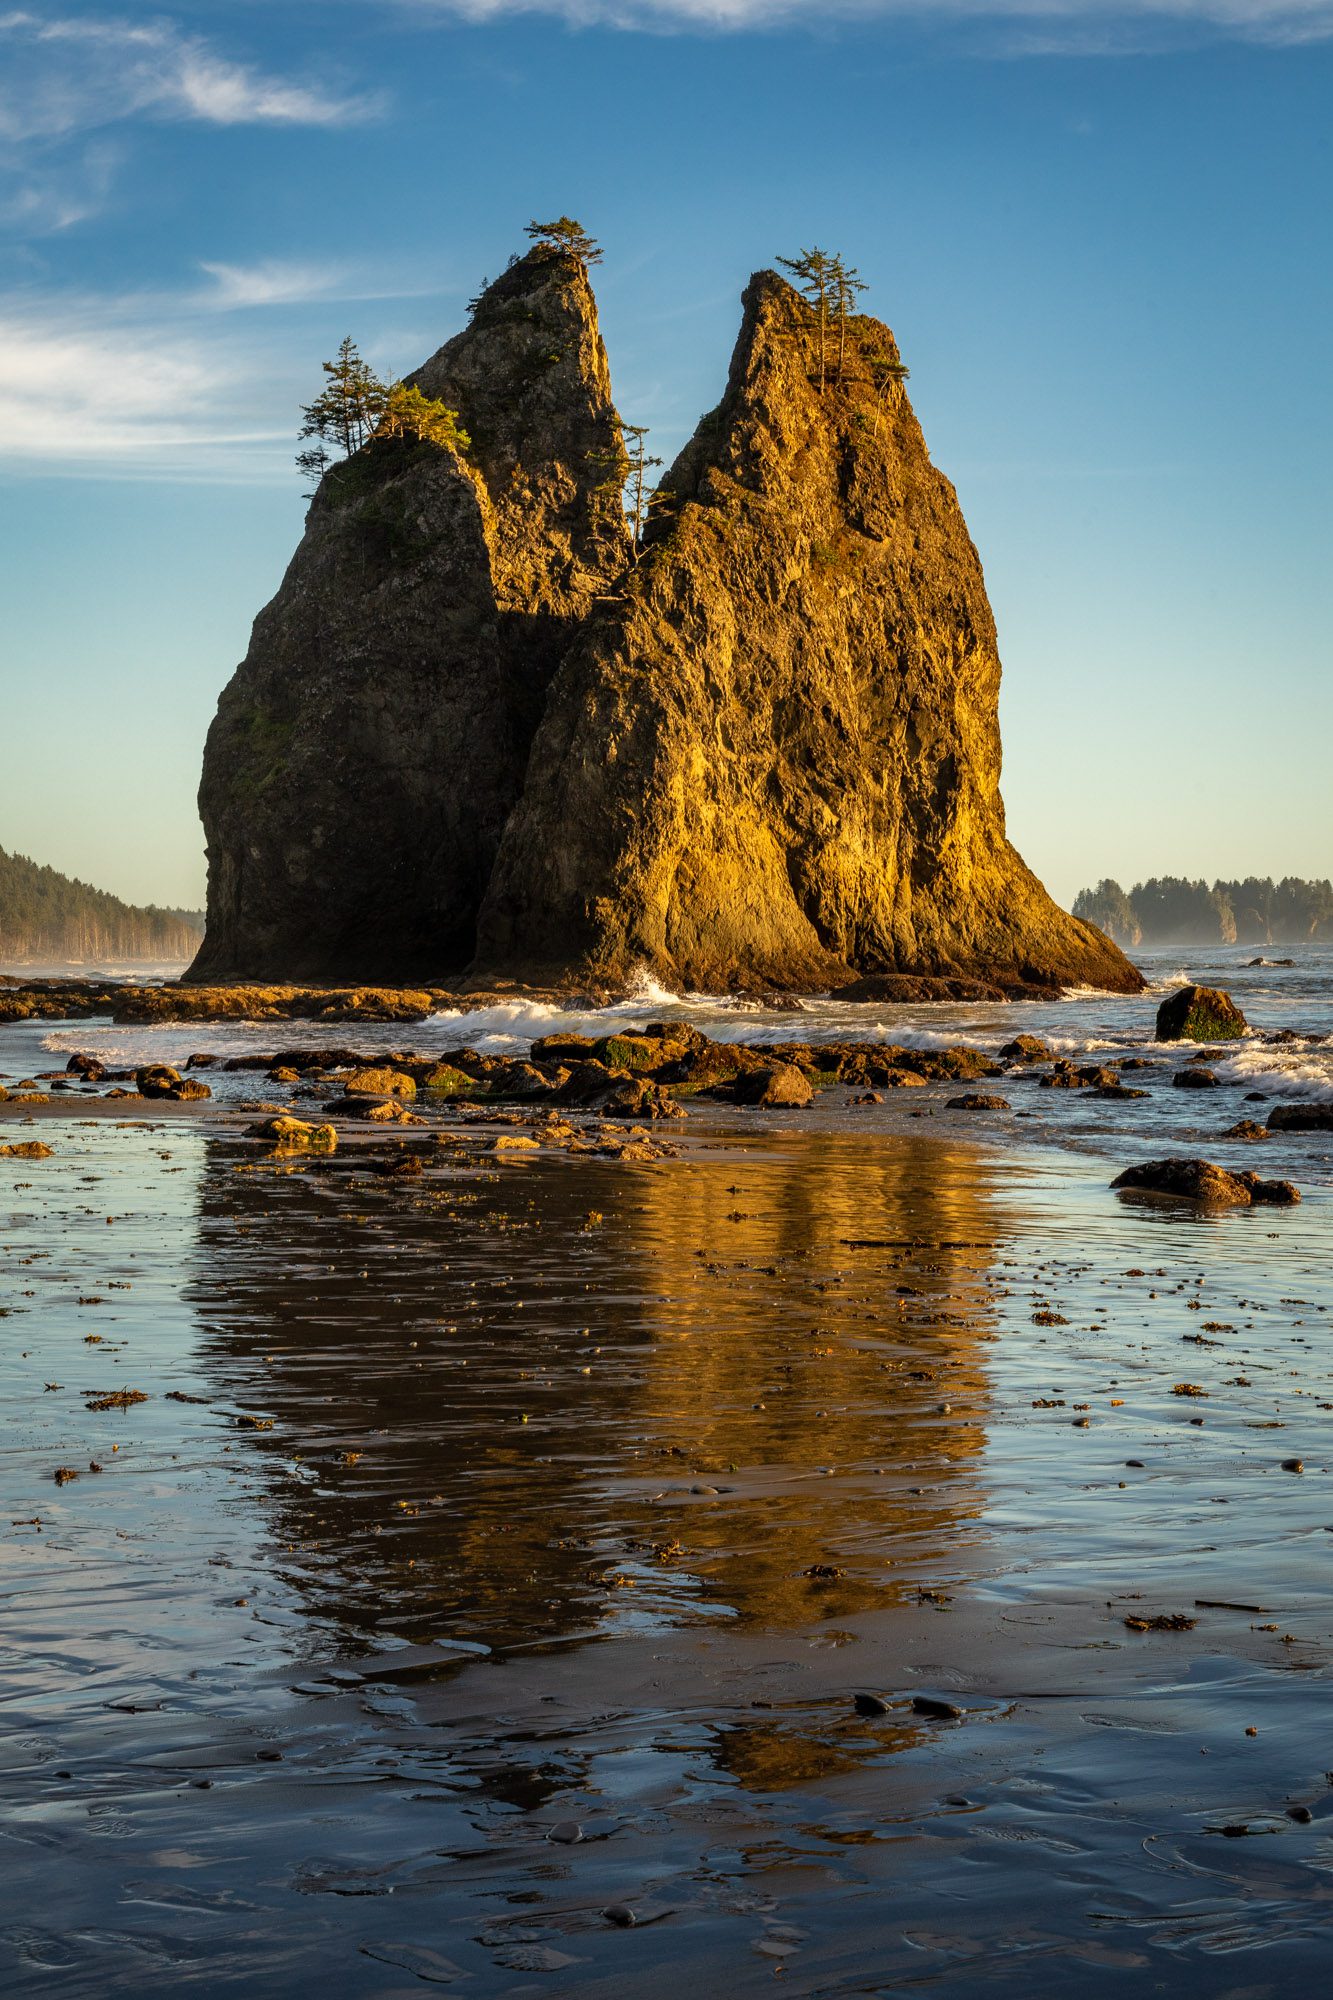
[(774, 760)]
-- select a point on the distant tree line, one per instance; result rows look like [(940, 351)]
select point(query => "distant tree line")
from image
[(48, 916), (1171, 910)]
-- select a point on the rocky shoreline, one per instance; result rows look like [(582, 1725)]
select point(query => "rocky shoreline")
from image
[(617, 1094)]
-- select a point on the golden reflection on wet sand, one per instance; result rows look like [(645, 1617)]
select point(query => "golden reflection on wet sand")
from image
[(746, 1385)]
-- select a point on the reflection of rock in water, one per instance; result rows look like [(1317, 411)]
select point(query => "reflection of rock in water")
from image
[(500, 1418)]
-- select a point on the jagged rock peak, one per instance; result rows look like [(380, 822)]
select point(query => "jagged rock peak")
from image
[(774, 761), (368, 750), (530, 375)]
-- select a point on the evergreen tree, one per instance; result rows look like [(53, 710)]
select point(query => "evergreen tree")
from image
[(356, 407), (813, 275), (565, 238), (1109, 908), (345, 413), (638, 495), (407, 413), (845, 286)]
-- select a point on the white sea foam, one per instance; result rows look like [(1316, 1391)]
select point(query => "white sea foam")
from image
[(1289, 1071)]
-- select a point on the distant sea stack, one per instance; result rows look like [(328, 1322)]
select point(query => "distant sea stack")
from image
[(477, 729)]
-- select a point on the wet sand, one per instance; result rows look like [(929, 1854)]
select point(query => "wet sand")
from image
[(481, 1593)]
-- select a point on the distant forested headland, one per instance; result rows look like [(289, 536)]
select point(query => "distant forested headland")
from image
[(1171, 910), (46, 917)]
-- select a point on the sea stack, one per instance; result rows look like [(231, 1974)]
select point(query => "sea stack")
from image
[(761, 752), (774, 760), (369, 748)]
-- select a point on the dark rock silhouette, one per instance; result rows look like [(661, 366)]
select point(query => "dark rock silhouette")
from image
[(369, 748)]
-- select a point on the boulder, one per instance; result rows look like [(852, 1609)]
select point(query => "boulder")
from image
[(562, 1048), (1203, 1182), (190, 1090), (977, 1100), (1245, 1128), (375, 1110), (443, 1080), (156, 1080), (1027, 1049), (1087, 1076), (378, 1083), (1199, 1014), (1194, 1079), (779, 1087), (1301, 1118), (636, 1097), (1274, 1194), (160, 1080), (632, 1052), (294, 1135)]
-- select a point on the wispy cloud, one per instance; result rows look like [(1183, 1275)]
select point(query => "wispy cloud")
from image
[(279, 281), (203, 382), (63, 76), (64, 80), (1054, 26)]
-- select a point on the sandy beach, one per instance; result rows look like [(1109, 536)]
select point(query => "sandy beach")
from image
[(843, 1548)]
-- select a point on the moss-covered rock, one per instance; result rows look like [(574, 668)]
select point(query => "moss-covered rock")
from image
[(294, 1135), (379, 1083), (1199, 1014)]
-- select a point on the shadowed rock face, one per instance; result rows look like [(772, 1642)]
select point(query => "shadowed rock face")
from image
[(775, 759), (369, 748)]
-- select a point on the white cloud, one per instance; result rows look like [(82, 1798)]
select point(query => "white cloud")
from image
[(278, 281), (1057, 24), (79, 392), (273, 282), (197, 383), (63, 76)]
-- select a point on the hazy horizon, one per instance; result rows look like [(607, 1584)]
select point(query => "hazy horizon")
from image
[(1099, 232)]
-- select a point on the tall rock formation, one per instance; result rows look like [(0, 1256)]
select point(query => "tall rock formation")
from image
[(367, 752), (774, 758), (471, 727)]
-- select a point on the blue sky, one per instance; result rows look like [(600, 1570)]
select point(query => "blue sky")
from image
[(1099, 228)]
